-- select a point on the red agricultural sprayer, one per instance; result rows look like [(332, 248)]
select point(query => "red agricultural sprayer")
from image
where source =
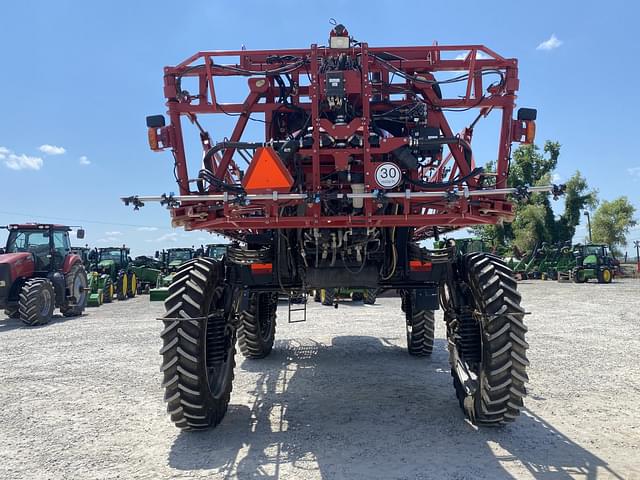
[(358, 164)]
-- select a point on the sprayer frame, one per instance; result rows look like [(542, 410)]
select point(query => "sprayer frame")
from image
[(448, 209)]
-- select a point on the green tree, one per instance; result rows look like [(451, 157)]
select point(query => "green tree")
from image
[(529, 166), (530, 226), (535, 221), (611, 222), (577, 197)]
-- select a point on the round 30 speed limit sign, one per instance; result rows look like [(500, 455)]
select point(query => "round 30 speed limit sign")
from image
[(388, 175)]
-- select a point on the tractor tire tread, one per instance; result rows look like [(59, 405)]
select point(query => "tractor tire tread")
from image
[(261, 308), (503, 376), (28, 304), (190, 403)]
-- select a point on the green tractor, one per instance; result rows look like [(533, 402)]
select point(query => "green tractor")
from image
[(330, 296), (100, 287), (593, 262), (112, 275), (216, 250), (147, 270), (471, 245), (171, 259)]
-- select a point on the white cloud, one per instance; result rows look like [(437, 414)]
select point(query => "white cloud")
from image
[(168, 237), (4, 151), (634, 172), (479, 56), (21, 162), (550, 43), (51, 149), (108, 240), (147, 229), (84, 160), (112, 234)]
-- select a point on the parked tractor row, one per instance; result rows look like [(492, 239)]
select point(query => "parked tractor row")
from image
[(112, 274), (565, 263)]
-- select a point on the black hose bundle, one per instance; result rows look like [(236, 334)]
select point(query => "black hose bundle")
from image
[(448, 183)]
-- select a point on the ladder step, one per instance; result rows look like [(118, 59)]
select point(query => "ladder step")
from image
[(298, 308)]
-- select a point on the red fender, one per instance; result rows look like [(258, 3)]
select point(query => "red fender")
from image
[(69, 261)]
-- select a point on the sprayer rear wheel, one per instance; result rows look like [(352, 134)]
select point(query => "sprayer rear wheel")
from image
[(257, 330), (420, 327)]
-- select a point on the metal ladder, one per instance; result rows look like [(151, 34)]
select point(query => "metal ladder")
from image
[(298, 308)]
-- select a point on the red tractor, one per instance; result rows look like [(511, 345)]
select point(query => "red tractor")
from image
[(38, 273), (357, 165)]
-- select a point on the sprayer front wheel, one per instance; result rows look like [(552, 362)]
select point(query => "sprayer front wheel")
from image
[(198, 352), (495, 335)]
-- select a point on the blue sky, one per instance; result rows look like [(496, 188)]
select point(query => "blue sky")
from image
[(79, 77)]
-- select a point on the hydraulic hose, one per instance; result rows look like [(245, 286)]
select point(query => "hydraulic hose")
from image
[(450, 183)]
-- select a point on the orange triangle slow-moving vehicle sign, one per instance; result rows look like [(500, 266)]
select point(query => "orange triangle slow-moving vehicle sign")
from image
[(267, 173)]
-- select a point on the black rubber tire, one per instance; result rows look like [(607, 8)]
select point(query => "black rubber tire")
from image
[(131, 290), (12, 312), (369, 296), (257, 330), (107, 294), (76, 279), (197, 353), (578, 276), (602, 276), (37, 301), (329, 297), (357, 296), (420, 327), (502, 371), (122, 286)]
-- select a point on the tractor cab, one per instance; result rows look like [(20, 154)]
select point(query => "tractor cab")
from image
[(470, 245), (48, 245), (216, 250), (172, 258), (592, 255), (112, 258)]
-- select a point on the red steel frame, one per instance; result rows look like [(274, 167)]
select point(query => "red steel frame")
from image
[(233, 220)]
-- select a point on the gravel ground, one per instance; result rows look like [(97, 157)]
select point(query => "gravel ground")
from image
[(338, 398)]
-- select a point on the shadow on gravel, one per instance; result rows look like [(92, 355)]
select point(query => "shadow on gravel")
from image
[(361, 408), (10, 324), (13, 323)]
